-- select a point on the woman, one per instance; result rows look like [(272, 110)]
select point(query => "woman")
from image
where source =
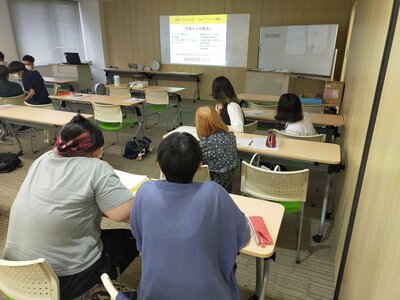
[(58, 209), (228, 105), (218, 146), (290, 111)]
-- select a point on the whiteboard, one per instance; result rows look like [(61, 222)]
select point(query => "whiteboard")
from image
[(306, 49)]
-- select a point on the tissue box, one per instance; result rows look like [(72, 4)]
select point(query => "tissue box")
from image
[(333, 92)]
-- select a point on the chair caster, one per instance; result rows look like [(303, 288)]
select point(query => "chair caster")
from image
[(181, 123), (317, 238), (298, 261), (328, 215), (253, 297)]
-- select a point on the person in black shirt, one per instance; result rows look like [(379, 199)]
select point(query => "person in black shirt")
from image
[(8, 88), (33, 83)]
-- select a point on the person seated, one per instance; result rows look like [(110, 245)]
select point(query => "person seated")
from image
[(290, 111), (228, 104), (3, 62), (218, 146), (189, 233), (8, 88), (33, 83), (57, 212), (29, 62)]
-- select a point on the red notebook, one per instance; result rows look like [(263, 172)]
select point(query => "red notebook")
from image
[(259, 231)]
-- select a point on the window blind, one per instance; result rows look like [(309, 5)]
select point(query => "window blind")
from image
[(46, 29)]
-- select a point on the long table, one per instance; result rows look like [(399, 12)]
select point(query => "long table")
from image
[(154, 75), (325, 123), (34, 117), (322, 156)]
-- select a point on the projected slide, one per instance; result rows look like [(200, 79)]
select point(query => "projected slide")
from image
[(198, 40), (212, 40)]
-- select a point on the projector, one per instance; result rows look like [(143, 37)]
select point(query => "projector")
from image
[(138, 84)]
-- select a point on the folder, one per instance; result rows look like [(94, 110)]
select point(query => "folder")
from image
[(259, 231)]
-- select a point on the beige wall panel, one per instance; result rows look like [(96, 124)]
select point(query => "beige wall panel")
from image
[(138, 9), (282, 19), (174, 7), (326, 5), (368, 39), (118, 39), (146, 39), (116, 8), (254, 40), (283, 6), (375, 244), (243, 6), (301, 85), (209, 74), (206, 7), (188, 85), (237, 76)]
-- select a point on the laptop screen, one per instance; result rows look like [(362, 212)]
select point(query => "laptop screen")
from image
[(72, 58)]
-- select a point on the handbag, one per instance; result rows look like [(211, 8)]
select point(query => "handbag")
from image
[(271, 139), (255, 161), (137, 148), (9, 162)]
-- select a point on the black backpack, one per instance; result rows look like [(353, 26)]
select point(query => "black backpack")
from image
[(9, 162), (137, 148)]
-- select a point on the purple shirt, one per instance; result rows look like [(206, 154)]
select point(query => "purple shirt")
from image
[(189, 236)]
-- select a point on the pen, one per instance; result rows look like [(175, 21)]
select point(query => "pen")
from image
[(251, 142)]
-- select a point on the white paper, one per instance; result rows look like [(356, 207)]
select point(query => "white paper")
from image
[(130, 180), (132, 100), (259, 143), (258, 112), (243, 142)]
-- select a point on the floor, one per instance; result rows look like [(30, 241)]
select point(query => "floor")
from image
[(312, 279)]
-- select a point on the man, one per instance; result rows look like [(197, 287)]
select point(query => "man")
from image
[(2, 61), (33, 83), (29, 62), (8, 88)]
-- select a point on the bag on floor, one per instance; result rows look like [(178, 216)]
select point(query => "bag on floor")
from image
[(137, 148), (9, 162)]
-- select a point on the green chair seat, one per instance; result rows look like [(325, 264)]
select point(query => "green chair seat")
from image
[(116, 126), (291, 207), (157, 108)]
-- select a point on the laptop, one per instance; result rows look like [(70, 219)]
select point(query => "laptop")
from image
[(72, 58)]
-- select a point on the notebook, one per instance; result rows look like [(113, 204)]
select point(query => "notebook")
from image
[(131, 181)]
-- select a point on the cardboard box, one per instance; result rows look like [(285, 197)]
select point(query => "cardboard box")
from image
[(333, 92)]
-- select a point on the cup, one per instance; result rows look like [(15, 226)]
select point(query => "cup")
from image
[(116, 80)]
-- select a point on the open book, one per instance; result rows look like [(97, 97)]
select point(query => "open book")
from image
[(131, 181)]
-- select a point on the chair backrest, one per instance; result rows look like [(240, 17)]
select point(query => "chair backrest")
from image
[(42, 106), (203, 174), (122, 90), (274, 185), (107, 113), (312, 138), (16, 100), (313, 108), (33, 279), (156, 96), (250, 127)]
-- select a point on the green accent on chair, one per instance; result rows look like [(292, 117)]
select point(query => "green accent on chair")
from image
[(116, 126), (157, 108), (291, 207)]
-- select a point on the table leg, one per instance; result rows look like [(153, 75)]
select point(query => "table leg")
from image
[(317, 238), (139, 131), (264, 279), (259, 273), (13, 135)]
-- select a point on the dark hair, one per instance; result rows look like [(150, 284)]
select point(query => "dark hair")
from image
[(223, 91), (289, 109), (1, 56), (79, 137), (29, 58), (3, 72), (16, 66), (179, 156)]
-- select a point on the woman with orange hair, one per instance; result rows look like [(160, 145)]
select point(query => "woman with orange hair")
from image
[(218, 146)]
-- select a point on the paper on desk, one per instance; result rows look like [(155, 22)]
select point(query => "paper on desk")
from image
[(257, 143), (132, 100), (258, 112), (7, 106), (131, 181)]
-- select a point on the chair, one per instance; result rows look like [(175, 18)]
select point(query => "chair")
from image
[(312, 138), (251, 127), (122, 90), (157, 102), (28, 280), (203, 174), (114, 293), (313, 108), (110, 118), (288, 188), (16, 100)]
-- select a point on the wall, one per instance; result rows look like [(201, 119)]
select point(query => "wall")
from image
[(132, 32), (92, 38), (372, 269), (7, 40)]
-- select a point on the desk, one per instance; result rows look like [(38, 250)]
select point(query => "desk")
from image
[(154, 75), (266, 116), (35, 117), (59, 80), (323, 156), (104, 99)]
